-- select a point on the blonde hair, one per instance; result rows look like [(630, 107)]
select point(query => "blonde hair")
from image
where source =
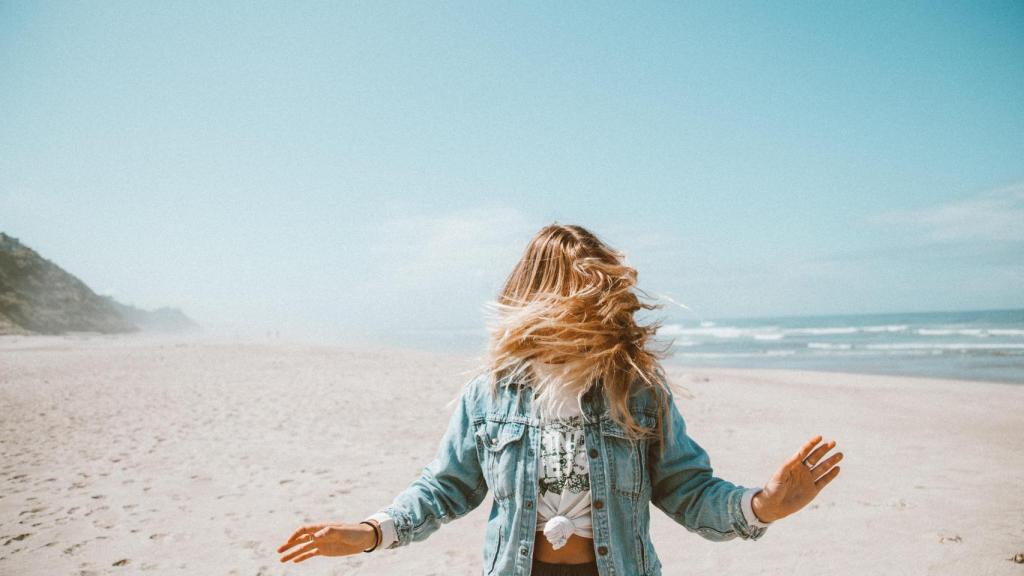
[(568, 307)]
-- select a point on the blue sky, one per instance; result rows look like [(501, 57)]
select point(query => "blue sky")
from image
[(340, 168)]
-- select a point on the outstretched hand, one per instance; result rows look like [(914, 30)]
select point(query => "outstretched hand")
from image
[(327, 540), (798, 481)]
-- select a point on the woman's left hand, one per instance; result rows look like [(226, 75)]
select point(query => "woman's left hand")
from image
[(797, 482)]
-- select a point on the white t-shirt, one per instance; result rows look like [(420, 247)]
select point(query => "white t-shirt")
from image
[(563, 497)]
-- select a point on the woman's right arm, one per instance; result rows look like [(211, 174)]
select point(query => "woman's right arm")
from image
[(386, 524), (449, 487)]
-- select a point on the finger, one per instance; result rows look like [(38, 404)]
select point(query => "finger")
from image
[(291, 543), (308, 546), (307, 556), (294, 538), (824, 466), (820, 451), (805, 449), (824, 480)]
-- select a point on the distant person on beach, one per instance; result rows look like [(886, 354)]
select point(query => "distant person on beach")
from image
[(572, 427)]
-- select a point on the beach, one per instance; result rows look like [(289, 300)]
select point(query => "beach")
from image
[(143, 455)]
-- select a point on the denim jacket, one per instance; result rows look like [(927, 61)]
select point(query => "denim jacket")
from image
[(493, 444)]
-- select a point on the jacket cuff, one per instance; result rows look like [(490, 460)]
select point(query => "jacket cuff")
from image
[(748, 509), (388, 535)]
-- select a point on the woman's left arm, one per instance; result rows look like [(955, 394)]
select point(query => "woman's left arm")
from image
[(684, 486)]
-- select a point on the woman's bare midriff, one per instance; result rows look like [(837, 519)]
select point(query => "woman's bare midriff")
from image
[(577, 550)]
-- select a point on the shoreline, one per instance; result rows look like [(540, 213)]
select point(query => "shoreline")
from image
[(93, 339)]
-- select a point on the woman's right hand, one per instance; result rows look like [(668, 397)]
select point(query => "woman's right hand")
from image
[(327, 540)]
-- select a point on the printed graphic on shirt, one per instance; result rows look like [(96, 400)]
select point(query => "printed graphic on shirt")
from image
[(563, 457)]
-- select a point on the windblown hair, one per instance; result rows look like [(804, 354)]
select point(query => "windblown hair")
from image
[(564, 320)]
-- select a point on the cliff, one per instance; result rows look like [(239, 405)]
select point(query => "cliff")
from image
[(38, 296)]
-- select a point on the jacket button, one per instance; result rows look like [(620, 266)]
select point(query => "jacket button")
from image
[(529, 503), (523, 551), (597, 504), (602, 550), (593, 452)]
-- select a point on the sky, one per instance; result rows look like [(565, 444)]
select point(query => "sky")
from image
[(370, 168)]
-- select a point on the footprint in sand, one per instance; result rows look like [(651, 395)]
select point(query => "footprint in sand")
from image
[(33, 510), (17, 538), (95, 510)]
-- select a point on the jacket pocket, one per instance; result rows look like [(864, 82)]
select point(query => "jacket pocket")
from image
[(501, 447), (497, 434), (626, 461)]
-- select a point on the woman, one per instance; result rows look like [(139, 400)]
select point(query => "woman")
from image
[(573, 428)]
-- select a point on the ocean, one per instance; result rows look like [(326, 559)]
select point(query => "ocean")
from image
[(976, 345)]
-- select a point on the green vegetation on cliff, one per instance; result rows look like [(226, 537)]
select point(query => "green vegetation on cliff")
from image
[(37, 296)]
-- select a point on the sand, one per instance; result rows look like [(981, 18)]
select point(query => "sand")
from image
[(133, 455)]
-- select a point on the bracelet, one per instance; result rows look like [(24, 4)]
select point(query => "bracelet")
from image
[(376, 535)]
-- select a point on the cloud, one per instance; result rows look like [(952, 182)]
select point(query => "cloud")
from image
[(993, 215), (438, 269), (463, 242), (422, 270)]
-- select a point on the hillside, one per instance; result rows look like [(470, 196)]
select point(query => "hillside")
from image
[(39, 297), (159, 320)]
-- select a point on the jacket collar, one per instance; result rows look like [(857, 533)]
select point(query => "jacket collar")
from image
[(593, 399)]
